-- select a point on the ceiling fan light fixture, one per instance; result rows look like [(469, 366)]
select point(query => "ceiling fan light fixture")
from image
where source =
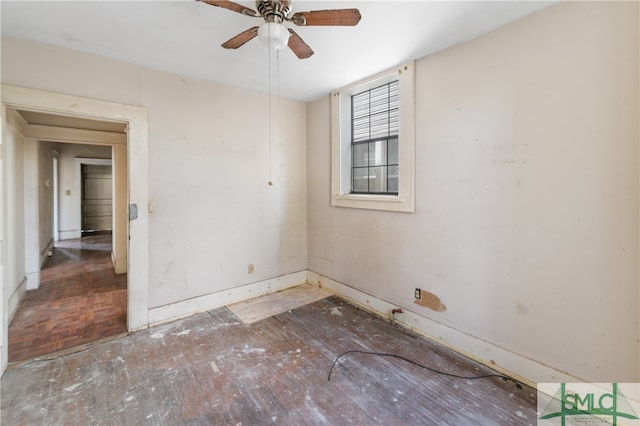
[(273, 35)]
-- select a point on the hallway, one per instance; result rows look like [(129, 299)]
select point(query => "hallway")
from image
[(80, 300)]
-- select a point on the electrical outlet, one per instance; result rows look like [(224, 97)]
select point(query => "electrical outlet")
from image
[(251, 269), (418, 294)]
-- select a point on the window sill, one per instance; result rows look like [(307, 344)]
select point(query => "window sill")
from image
[(374, 202)]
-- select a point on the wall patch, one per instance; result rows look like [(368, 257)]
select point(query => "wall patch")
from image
[(431, 301)]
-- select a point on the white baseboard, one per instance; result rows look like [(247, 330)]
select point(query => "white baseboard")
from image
[(33, 280), (515, 365), (15, 299), (207, 302), (44, 254), (119, 265), (70, 235), (4, 338)]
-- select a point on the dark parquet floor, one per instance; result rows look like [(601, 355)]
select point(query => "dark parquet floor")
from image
[(80, 300)]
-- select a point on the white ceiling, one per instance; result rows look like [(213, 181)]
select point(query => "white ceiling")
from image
[(184, 37)]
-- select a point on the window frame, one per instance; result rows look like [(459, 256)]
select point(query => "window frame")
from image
[(341, 195)]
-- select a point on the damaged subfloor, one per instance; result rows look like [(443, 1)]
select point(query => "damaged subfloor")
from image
[(212, 368)]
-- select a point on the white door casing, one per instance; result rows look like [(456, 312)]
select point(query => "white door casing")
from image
[(135, 117)]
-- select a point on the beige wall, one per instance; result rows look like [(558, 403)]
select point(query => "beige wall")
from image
[(526, 222), (209, 173), (208, 169), (45, 197)]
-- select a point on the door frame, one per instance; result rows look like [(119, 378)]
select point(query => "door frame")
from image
[(136, 119)]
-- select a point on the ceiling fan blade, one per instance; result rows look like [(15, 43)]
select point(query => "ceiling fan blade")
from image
[(342, 17), (240, 39), (232, 6), (299, 47)]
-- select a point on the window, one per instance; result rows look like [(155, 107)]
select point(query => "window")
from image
[(373, 133), (374, 140)]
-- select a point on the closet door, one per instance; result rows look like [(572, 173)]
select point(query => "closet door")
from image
[(97, 197)]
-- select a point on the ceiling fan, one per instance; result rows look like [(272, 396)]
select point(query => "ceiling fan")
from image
[(275, 12)]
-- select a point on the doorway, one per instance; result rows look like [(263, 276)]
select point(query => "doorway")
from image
[(130, 159), (80, 301), (78, 298), (95, 200)]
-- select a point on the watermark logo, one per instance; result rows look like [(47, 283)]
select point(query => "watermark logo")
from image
[(588, 403)]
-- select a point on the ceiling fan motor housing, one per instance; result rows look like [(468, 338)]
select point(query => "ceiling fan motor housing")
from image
[(274, 10), (273, 34)]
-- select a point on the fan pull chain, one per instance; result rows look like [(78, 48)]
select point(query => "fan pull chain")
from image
[(270, 125), (278, 101)]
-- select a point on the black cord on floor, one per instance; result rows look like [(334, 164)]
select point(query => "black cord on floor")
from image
[(502, 376)]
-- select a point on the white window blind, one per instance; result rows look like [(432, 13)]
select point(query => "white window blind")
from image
[(375, 125)]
